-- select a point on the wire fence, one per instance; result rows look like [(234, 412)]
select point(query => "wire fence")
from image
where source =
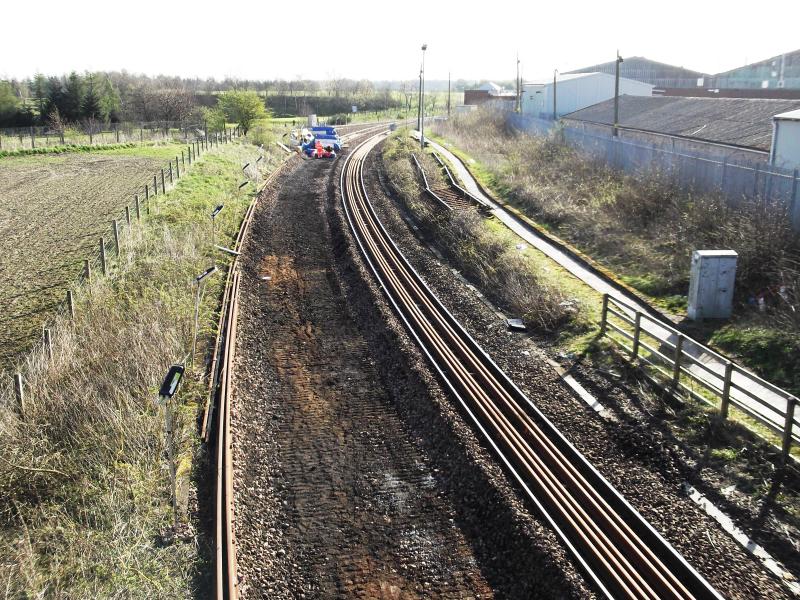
[(734, 178), (99, 255), (97, 133)]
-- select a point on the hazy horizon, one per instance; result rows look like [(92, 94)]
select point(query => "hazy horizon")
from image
[(470, 44)]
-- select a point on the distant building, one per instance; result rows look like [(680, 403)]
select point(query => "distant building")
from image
[(489, 92), (574, 92), (785, 151), (776, 73), (660, 75)]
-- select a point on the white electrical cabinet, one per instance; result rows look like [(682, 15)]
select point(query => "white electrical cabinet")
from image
[(711, 283)]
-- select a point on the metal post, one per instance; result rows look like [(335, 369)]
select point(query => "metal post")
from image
[(70, 305), (168, 425), (726, 391), (637, 329), (19, 391), (555, 92), (196, 317), (103, 264), (604, 315), (793, 203), (676, 360), (48, 343), (616, 95), (422, 108), (791, 404), (115, 229)]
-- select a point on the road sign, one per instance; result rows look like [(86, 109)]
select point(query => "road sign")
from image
[(355, 108)]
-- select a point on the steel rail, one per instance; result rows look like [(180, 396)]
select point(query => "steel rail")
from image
[(622, 554)]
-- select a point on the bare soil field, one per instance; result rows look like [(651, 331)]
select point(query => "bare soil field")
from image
[(53, 210)]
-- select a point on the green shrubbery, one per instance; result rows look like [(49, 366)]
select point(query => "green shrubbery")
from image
[(63, 149)]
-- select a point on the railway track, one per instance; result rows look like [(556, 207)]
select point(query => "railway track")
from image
[(216, 424), (618, 550)]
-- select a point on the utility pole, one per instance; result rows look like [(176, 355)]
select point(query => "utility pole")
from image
[(448, 94), (419, 101), (616, 95), (422, 99), (555, 89)]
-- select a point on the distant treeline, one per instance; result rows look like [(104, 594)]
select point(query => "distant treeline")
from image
[(116, 96)]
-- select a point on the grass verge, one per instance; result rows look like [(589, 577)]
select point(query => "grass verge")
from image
[(84, 495)]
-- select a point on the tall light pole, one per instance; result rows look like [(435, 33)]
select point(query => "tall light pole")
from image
[(518, 107), (448, 94), (422, 99), (616, 94), (419, 100), (555, 89)]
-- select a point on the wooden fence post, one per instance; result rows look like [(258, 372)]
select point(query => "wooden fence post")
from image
[(604, 315), (128, 216), (87, 269), (116, 130), (177, 168), (70, 305), (170, 173), (637, 330), (163, 188), (791, 404), (33, 139), (726, 391), (676, 360), (19, 391), (138, 209), (189, 154), (155, 185), (103, 265), (183, 158), (48, 343), (115, 229), (146, 192)]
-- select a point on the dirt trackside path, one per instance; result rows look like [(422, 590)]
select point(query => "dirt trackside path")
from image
[(333, 498)]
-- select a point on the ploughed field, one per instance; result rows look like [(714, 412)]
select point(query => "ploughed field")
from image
[(53, 210)]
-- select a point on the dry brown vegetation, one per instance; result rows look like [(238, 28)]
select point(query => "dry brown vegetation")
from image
[(484, 257)]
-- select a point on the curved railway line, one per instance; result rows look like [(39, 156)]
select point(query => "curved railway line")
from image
[(619, 551), (216, 425)]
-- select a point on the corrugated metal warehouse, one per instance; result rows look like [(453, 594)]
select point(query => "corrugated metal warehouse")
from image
[(574, 92)]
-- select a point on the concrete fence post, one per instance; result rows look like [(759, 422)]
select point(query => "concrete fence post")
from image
[(70, 305), (115, 230), (19, 392), (791, 405), (48, 343), (637, 332), (726, 391), (676, 361)]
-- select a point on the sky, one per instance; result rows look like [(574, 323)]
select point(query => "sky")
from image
[(362, 39)]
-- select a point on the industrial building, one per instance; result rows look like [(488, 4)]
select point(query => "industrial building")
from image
[(660, 75), (489, 92), (785, 151), (575, 91), (776, 73), (717, 127)]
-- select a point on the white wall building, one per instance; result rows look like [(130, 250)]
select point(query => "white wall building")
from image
[(576, 91), (786, 140)]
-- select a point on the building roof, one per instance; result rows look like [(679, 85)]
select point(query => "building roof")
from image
[(792, 115), (490, 86), (570, 76), (738, 121), (645, 70), (789, 59)]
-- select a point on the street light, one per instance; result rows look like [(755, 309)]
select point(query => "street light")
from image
[(199, 280), (616, 94), (555, 83), (422, 99)]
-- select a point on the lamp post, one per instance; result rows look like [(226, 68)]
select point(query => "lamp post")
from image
[(616, 94), (199, 280), (555, 89), (422, 99)]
